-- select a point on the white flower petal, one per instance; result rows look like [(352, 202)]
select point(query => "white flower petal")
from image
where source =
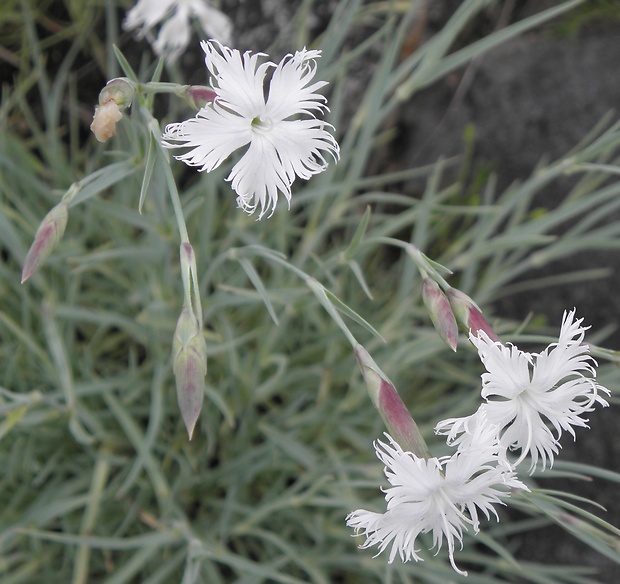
[(301, 144), (289, 93), (215, 24), (384, 528), (238, 80), (173, 36), (213, 134), (259, 176), (146, 14)]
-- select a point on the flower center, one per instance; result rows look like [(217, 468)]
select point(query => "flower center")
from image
[(261, 124)]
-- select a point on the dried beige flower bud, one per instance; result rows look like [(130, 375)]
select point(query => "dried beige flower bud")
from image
[(104, 121)]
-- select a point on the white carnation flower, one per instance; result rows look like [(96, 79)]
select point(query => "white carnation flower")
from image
[(529, 396), (175, 17), (284, 138)]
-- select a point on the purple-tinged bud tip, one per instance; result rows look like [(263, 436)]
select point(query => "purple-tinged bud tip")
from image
[(469, 314), (390, 406), (200, 95), (189, 352), (440, 311), (187, 253), (46, 239)]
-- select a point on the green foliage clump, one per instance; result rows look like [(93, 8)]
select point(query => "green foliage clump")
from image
[(100, 483)]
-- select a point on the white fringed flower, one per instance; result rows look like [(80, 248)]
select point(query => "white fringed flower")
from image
[(442, 496), (176, 16), (529, 394), (279, 148)]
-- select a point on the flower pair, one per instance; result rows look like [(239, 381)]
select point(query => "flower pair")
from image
[(527, 396)]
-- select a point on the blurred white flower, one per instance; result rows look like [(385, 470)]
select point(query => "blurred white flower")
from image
[(175, 16), (525, 393), (438, 495), (279, 148)]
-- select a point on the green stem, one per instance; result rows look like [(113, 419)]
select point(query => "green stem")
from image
[(319, 291), (180, 218), (153, 87), (174, 197), (419, 259)]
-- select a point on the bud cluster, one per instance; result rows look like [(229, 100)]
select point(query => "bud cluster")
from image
[(452, 307)]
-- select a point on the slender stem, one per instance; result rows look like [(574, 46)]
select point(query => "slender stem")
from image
[(419, 259), (174, 197), (182, 226), (186, 268), (317, 288), (319, 292), (152, 87), (590, 166), (198, 312)]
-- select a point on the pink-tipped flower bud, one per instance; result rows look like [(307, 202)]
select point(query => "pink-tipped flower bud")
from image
[(189, 354), (440, 311), (116, 96), (390, 406), (187, 257), (469, 314), (46, 239), (200, 95)]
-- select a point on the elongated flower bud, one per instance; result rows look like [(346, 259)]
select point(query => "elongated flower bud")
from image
[(390, 406), (46, 239), (469, 314), (441, 314), (200, 95), (189, 353)]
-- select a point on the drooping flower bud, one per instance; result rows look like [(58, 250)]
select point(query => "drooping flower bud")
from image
[(390, 406), (440, 312), (119, 90), (104, 121), (189, 354), (469, 314), (116, 96), (46, 239), (200, 95)]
